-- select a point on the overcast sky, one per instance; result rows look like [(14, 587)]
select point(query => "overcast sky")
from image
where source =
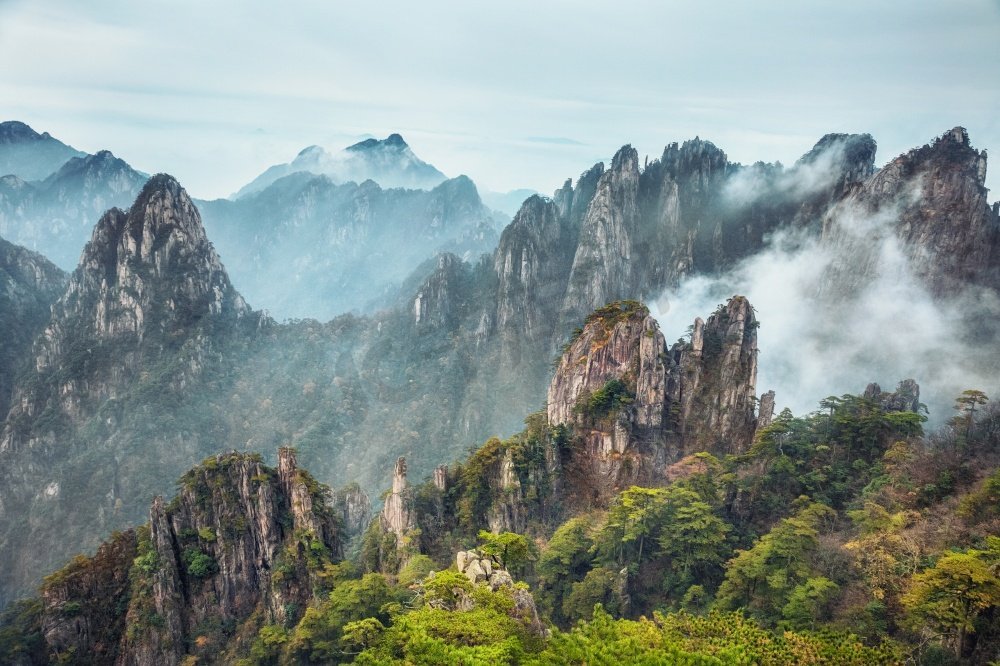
[(512, 93)]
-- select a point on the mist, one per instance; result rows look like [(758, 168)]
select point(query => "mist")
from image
[(839, 311)]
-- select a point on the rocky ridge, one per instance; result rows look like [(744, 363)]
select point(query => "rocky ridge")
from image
[(241, 542)]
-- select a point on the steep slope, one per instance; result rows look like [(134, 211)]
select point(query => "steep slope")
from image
[(55, 216), (29, 285), (307, 247), (390, 162), (29, 155)]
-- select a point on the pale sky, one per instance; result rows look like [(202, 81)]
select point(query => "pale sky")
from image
[(512, 93)]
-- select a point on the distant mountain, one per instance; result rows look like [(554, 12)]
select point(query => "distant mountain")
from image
[(507, 203), (30, 155), (307, 247), (55, 216), (389, 162)]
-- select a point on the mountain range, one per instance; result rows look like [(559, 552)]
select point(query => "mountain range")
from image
[(147, 358)]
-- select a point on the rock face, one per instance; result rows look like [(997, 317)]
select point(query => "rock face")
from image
[(240, 540), (355, 509), (906, 398), (55, 216), (715, 381), (29, 285), (84, 611)]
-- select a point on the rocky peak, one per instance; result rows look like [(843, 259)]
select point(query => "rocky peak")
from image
[(531, 262), (716, 379), (151, 268), (393, 141), (851, 156), (397, 514), (636, 408), (610, 388), (31, 155), (14, 131)]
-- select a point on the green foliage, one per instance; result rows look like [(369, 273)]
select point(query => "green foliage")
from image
[(605, 401), (763, 578), (566, 559), (198, 563), (511, 549), (950, 595), (601, 586), (207, 534), (719, 638), (415, 569), (829, 456), (317, 638), (21, 636), (808, 603)]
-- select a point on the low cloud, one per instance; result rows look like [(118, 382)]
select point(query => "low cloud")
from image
[(841, 312)]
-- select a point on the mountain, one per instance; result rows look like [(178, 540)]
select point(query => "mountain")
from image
[(463, 350), (54, 216), (307, 247), (146, 309), (29, 155), (390, 162)]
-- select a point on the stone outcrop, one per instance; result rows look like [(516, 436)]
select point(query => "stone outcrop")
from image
[(487, 570), (906, 397), (637, 407)]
